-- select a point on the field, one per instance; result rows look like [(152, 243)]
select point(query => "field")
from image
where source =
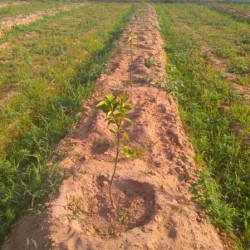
[(215, 116), (40, 100), (24, 8), (240, 12), (191, 125)]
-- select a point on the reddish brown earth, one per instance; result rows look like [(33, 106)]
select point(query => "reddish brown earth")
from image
[(154, 207), (25, 19)]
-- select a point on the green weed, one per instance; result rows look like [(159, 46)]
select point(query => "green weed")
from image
[(239, 67), (122, 215), (180, 209), (77, 211), (149, 62)]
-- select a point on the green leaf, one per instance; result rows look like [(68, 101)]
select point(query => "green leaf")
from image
[(111, 121), (100, 104), (112, 130), (128, 120), (127, 107), (110, 97), (126, 135), (109, 113), (128, 152)]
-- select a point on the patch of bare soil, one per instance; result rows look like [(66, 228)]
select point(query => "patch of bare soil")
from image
[(154, 207), (7, 23), (234, 12), (5, 97)]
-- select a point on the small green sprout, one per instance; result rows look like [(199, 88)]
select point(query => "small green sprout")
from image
[(77, 209), (122, 215)]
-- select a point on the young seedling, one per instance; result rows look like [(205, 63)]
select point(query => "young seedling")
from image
[(122, 215), (77, 211), (116, 109)]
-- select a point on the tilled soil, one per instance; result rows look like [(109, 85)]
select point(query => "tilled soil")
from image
[(154, 207), (25, 19)]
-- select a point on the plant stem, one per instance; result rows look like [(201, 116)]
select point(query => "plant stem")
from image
[(115, 167), (131, 62)]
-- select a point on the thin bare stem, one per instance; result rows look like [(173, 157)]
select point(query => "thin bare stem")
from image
[(115, 167), (131, 65)]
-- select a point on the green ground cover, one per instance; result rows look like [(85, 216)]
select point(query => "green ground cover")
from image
[(226, 37), (237, 6), (14, 10), (238, 12), (223, 188), (55, 62)]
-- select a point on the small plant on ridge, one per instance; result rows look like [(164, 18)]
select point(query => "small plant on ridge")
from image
[(116, 109), (149, 62)]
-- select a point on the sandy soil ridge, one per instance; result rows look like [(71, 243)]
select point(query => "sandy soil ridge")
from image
[(154, 185)]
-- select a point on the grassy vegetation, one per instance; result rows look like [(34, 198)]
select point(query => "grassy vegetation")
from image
[(12, 10), (237, 6), (227, 38), (238, 12), (55, 62), (223, 187)]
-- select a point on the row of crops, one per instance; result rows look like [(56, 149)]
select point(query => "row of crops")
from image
[(49, 67), (227, 39), (11, 10), (201, 91)]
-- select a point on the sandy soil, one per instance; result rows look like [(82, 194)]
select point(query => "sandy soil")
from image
[(156, 184), (7, 23)]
